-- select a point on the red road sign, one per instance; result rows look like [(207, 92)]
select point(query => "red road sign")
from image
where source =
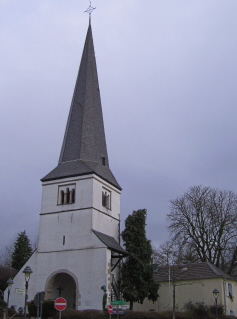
[(60, 304), (110, 309)]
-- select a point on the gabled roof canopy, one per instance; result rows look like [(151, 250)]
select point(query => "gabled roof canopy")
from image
[(110, 242), (194, 271)]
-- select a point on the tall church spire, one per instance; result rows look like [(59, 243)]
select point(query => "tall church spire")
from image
[(84, 136), (84, 148)]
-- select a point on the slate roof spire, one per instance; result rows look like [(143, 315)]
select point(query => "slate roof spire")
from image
[(84, 136), (84, 147)]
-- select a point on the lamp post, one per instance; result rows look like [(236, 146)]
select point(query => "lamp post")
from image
[(216, 294), (104, 300), (9, 284), (27, 271)]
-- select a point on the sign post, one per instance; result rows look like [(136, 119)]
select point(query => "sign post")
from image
[(117, 308), (118, 302), (38, 301), (110, 310), (60, 304)]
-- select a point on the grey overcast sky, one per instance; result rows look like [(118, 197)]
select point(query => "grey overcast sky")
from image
[(167, 73)]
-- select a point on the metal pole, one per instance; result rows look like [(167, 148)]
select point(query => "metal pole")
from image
[(41, 309), (26, 297), (8, 294), (169, 288), (173, 301), (37, 306), (216, 309)]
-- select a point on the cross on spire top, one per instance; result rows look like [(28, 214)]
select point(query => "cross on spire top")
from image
[(90, 9)]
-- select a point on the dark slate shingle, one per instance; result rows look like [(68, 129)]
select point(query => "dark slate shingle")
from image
[(110, 242), (78, 168), (84, 149), (194, 271)]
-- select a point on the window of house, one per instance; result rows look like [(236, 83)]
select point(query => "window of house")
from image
[(229, 290), (66, 194), (106, 198)]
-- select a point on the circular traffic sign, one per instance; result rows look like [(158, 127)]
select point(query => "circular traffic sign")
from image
[(110, 309), (60, 304)]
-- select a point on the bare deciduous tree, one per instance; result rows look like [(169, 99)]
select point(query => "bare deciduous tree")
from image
[(6, 253), (5, 274), (173, 253), (204, 220)]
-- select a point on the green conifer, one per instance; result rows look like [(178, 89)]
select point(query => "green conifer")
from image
[(137, 272), (22, 251)]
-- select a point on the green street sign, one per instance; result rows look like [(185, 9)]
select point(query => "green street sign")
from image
[(118, 302)]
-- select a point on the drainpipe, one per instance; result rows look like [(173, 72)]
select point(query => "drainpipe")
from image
[(224, 284)]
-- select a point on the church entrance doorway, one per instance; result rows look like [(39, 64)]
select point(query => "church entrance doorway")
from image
[(61, 285)]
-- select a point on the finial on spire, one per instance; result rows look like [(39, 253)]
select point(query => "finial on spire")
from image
[(89, 10)]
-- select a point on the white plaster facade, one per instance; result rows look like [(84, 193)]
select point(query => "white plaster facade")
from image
[(194, 291), (68, 248), (78, 243)]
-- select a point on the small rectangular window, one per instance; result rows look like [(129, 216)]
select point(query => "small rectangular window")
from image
[(229, 290), (232, 313)]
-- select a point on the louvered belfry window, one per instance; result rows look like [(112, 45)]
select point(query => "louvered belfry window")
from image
[(66, 194), (106, 199)]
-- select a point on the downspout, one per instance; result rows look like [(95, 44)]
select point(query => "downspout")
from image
[(224, 284)]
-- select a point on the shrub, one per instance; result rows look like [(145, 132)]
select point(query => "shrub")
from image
[(96, 314), (220, 310), (199, 310), (1, 312), (48, 309), (82, 314), (32, 308), (11, 311)]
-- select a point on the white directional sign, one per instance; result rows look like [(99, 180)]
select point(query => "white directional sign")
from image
[(20, 291)]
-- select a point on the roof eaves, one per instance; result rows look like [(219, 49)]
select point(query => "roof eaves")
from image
[(110, 242)]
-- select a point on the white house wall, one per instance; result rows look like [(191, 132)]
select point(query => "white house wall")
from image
[(195, 291)]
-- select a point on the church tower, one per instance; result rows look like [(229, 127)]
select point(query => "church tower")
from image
[(78, 247)]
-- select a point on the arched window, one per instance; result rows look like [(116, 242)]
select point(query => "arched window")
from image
[(66, 196), (61, 197), (106, 199), (72, 196)]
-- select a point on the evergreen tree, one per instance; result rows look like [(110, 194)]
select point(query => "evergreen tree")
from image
[(22, 251), (137, 272)]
